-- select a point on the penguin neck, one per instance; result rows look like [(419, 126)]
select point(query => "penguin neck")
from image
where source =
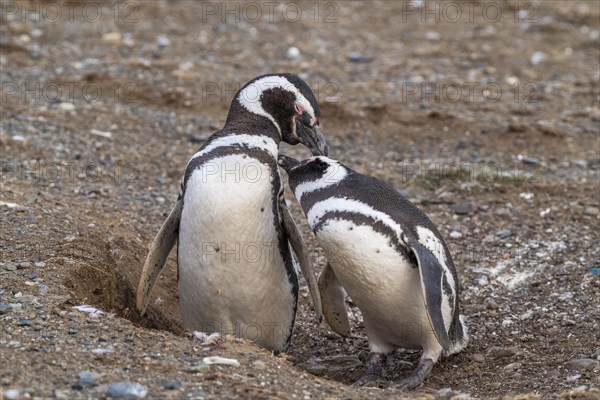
[(240, 120)]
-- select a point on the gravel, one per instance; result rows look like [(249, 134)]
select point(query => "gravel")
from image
[(92, 232)]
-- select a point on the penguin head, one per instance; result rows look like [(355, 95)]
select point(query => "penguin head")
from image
[(289, 103), (317, 172)]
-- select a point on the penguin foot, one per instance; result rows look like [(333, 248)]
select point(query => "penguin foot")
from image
[(417, 377), (374, 375)]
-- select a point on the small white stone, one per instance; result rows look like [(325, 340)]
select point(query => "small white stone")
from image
[(11, 394), (537, 57), (221, 360), (432, 35), (163, 41), (455, 234), (101, 133), (292, 53), (66, 106), (112, 38)]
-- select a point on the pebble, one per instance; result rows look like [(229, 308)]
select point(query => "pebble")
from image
[(513, 366), (103, 134), (72, 331), (32, 276), (501, 211), (492, 305), (198, 138), (163, 41), (11, 394), (86, 379), (432, 35), (504, 233), (40, 264), (528, 160), (10, 267), (537, 57), (43, 288), (553, 374), (504, 352), (221, 360), (259, 364), (462, 207), (292, 53), (356, 57), (573, 378), (199, 368), (482, 280), (5, 308), (591, 211), (24, 322), (16, 307), (581, 364), (527, 315), (455, 235), (112, 37), (478, 358), (24, 264), (172, 385), (596, 354), (126, 390), (66, 106)]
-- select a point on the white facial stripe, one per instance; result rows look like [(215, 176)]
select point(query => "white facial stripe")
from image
[(334, 174), (249, 98), (428, 239), (255, 141), (319, 209)]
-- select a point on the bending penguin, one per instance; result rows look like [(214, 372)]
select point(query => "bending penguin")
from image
[(236, 271), (389, 257)]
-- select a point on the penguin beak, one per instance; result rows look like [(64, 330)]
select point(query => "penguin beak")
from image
[(287, 163), (311, 137)]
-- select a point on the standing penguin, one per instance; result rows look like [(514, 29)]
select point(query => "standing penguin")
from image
[(236, 271), (388, 256)]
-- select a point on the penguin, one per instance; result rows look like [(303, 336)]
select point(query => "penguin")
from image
[(389, 257), (235, 237)]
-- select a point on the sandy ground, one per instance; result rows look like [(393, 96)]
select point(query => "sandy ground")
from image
[(485, 115)]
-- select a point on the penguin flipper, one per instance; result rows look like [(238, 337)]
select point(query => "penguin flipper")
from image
[(157, 256), (301, 250), (432, 274), (332, 297)]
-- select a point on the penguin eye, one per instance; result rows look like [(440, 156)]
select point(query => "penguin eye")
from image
[(299, 109), (321, 163)]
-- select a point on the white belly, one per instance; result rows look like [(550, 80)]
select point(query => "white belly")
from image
[(382, 283), (232, 277)]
